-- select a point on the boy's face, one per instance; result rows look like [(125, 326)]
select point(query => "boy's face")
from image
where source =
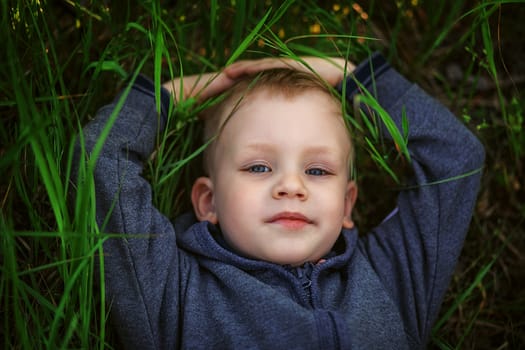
[(279, 187)]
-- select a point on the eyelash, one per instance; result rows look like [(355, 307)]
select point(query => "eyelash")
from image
[(262, 168), (257, 168), (318, 172)]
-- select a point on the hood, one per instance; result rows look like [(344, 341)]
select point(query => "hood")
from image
[(204, 240)]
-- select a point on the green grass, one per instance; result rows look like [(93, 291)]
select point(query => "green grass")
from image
[(62, 61)]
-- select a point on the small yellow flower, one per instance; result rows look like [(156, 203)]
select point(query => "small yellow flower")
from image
[(357, 8), (315, 28)]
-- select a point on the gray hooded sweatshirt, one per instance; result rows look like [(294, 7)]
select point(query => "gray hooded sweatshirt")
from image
[(178, 285)]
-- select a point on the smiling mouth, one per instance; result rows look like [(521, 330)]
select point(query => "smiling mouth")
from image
[(290, 220)]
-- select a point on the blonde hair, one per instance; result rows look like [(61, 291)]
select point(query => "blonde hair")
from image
[(284, 82)]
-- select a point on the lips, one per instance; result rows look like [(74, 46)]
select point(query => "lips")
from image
[(290, 220)]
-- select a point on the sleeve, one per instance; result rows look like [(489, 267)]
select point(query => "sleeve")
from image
[(415, 249), (141, 272)]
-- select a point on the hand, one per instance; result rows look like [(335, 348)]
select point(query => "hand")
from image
[(202, 86), (207, 85), (330, 69)]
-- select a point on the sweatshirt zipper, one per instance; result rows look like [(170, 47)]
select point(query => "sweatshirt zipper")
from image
[(307, 291), (303, 274)]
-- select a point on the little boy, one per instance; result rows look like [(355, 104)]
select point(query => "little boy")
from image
[(270, 258)]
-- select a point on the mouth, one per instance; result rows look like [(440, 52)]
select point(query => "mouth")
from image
[(290, 220)]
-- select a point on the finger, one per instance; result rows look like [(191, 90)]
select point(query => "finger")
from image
[(250, 67), (212, 84), (330, 69)]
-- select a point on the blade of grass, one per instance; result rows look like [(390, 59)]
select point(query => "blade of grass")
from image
[(461, 298), (69, 285), (398, 138), (248, 39)]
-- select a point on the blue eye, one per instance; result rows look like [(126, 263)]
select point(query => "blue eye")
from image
[(316, 172), (259, 168)]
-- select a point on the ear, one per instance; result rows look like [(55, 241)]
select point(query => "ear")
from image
[(350, 198), (202, 200)]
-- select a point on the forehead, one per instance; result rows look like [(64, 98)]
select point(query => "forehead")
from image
[(310, 117)]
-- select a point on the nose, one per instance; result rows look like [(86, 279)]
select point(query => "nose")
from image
[(290, 186)]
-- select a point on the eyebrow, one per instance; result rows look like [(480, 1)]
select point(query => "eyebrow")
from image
[(314, 150), (260, 146)]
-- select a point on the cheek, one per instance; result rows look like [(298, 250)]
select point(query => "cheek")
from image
[(235, 202), (237, 215), (334, 200)]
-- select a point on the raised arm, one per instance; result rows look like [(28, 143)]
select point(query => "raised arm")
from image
[(415, 249), (138, 270)]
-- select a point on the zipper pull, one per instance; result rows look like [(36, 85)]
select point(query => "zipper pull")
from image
[(303, 274)]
